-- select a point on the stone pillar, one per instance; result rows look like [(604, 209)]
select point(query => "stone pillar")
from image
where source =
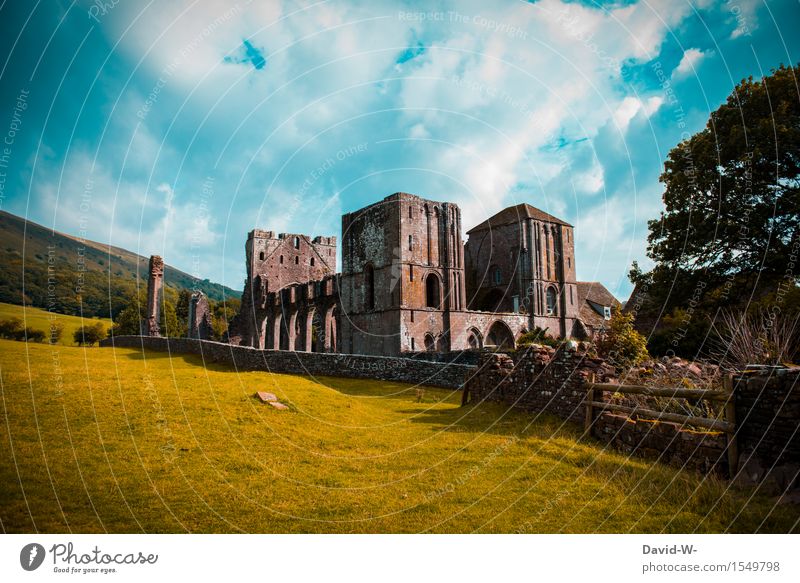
[(155, 284)]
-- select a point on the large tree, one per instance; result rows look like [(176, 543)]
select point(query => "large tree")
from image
[(731, 220), (732, 191)]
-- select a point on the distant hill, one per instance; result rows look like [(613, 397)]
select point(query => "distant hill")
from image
[(76, 277)]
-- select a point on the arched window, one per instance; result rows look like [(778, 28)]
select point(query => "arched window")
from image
[(297, 260), (410, 212), (312, 262), (297, 242), (497, 275), (281, 260), (369, 287), (432, 293), (261, 256), (430, 343), (552, 304)]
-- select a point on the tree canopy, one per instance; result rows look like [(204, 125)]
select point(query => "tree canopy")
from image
[(729, 233)]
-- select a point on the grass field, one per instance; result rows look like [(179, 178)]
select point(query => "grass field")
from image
[(42, 319), (111, 440)]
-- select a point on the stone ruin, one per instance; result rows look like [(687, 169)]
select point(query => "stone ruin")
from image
[(155, 285), (199, 317)]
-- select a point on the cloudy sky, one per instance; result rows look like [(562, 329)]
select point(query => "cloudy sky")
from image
[(175, 127)]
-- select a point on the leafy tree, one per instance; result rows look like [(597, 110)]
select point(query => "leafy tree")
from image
[(56, 332), (89, 334), (731, 206), (182, 308), (620, 343), (732, 191), (132, 319)]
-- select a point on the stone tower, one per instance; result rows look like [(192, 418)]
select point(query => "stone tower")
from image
[(155, 285), (402, 275), (523, 260)]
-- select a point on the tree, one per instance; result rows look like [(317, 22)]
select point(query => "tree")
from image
[(730, 221), (732, 191), (132, 319), (182, 308), (620, 343), (56, 332), (89, 334)]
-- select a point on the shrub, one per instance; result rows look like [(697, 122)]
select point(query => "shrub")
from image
[(13, 329), (89, 334), (31, 335), (757, 337), (56, 332), (538, 336), (10, 328), (620, 343)]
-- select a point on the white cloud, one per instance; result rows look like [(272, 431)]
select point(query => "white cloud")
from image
[(689, 62)]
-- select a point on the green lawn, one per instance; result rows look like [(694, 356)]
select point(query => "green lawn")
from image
[(41, 320), (100, 440)]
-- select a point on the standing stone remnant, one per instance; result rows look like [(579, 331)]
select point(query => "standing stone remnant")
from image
[(199, 317), (154, 289)]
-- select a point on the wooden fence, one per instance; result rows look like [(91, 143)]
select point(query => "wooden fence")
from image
[(726, 425)]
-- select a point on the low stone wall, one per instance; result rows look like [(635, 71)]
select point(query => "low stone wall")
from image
[(542, 379), (768, 424), (306, 363), (538, 378)]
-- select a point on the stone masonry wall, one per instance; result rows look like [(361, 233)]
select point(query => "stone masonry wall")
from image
[(305, 363), (768, 416), (542, 379)]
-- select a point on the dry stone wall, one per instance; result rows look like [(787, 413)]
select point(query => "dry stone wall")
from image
[(543, 379), (403, 370)]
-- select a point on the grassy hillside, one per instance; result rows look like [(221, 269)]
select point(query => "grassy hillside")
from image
[(115, 440), (41, 320), (87, 277)]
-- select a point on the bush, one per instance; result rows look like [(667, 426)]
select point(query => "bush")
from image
[(11, 328), (31, 335), (538, 336), (620, 343), (56, 332), (89, 334)]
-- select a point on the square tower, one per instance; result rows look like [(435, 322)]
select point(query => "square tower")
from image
[(402, 270)]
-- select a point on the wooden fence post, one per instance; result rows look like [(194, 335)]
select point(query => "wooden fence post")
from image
[(587, 424), (730, 436)]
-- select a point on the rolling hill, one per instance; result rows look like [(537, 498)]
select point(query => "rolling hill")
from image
[(68, 275)]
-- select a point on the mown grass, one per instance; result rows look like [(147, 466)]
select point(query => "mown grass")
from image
[(111, 440), (42, 320)]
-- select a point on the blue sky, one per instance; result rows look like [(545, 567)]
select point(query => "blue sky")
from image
[(176, 127)]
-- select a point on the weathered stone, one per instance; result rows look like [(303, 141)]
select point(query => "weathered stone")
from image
[(155, 284), (278, 405), (266, 397), (199, 317)]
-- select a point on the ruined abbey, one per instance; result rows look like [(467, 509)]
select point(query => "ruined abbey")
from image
[(408, 283)]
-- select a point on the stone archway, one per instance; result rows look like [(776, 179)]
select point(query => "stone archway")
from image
[(307, 331), (331, 330), (430, 343), (275, 337), (474, 339), (500, 335)]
